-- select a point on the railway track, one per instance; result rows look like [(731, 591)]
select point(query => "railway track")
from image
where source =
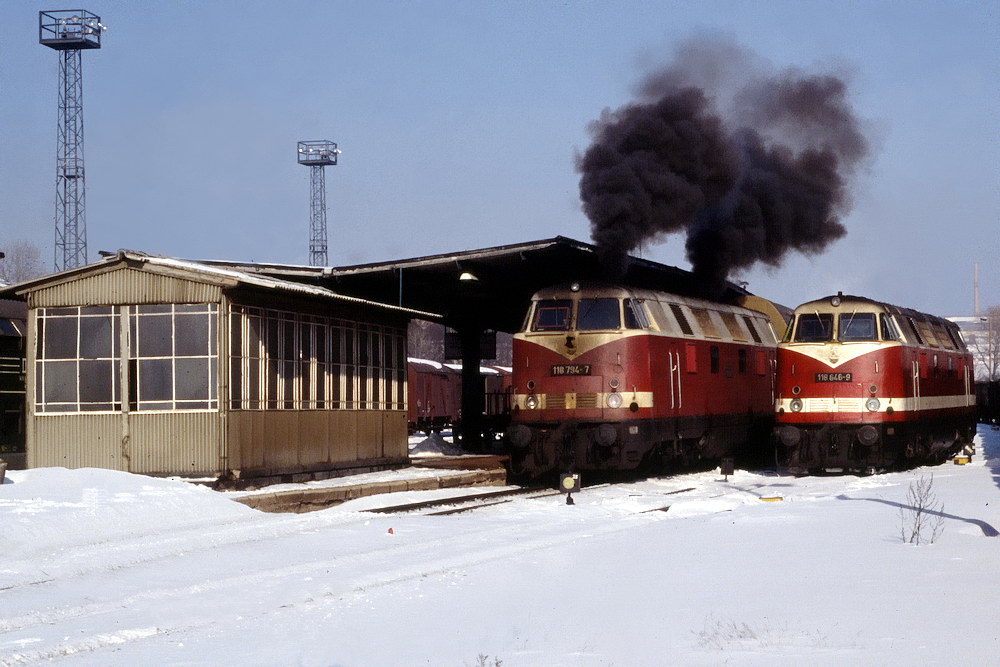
[(470, 502)]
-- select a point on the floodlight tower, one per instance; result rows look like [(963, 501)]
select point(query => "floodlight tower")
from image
[(70, 31), (316, 155)]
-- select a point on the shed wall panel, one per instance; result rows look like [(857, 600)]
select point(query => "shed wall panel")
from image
[(174, 443), (288, 440), (76, 441), (395, 436), (124, 286)]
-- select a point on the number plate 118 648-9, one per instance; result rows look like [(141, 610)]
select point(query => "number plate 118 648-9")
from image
[(833, 377)]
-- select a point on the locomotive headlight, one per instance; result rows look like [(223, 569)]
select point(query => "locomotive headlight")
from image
[(614, 401), (531, 402), (796, 405), (873, 404)]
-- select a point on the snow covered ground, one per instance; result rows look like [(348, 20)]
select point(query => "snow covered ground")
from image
[(100, 567)]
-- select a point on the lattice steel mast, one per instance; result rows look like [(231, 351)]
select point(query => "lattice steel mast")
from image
[(70, 31), (316, 155)]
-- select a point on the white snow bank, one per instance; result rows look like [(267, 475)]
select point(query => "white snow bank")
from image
[(47, 509)]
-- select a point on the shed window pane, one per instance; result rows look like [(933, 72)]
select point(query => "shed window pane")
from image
[(192, 335), (97, 382), (192, 378), (154, 336), (155, 380), (59, 381), (97, 337), (60, 337)]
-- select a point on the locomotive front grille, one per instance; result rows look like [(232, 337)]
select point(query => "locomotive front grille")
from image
[(849, 404), (572, 401), (820, 405), (555, 401), (834, 405)]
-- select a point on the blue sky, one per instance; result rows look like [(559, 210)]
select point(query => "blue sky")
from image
[(459, 123)]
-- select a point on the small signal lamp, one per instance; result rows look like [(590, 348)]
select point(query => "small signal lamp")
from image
[(569, 483)]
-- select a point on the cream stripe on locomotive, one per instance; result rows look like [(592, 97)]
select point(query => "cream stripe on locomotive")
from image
[(584, 400), (857, 404), (834, 355), (584, 341)]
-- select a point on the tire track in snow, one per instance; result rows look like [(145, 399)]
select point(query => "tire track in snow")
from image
[(381, 570)]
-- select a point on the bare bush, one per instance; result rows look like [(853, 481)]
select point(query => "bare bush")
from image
[(23, 261), (483, 661), (726, 635), (922, 517)]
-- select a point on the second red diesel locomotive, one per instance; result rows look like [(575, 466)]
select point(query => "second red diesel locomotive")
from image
[(609, 377), (863, 385)]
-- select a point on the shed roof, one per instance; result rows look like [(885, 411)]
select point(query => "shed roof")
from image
[(505, 277), (200, 272)]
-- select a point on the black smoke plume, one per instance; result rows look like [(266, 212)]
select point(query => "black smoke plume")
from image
[(750, 163)]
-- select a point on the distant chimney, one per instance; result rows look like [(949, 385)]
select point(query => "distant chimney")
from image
[(975, 288)]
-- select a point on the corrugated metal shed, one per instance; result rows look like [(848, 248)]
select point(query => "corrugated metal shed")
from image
[(217, 436)]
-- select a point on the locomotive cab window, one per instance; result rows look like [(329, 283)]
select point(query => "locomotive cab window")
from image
[(856, 327), (552, 315), (814, 328), (635, 316), (598, 314), (889, 330)]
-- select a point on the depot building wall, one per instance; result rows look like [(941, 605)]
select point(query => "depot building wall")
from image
[(152, 371)]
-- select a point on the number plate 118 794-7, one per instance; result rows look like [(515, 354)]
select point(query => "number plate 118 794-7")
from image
[(833, 377), (570, 369)]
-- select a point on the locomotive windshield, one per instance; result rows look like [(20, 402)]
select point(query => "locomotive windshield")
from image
[(857, 327), (552, 315), (814, 328), (595, 314)]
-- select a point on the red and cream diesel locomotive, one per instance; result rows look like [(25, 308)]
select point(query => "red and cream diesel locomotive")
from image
[(608, 377), (863, 385)]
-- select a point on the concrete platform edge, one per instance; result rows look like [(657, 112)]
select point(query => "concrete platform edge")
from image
[(309, 500)]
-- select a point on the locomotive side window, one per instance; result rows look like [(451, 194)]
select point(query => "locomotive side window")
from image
[(913, 329), (956, 337), (927, 334), (597, 314), (857, 327), (713, 357), (527, 319), (705, 322), (814, 328), (752, 329), (663, 321), (889, 330), (681, 319), (635, 316), (552, 315), (733, 326), (943, 337)]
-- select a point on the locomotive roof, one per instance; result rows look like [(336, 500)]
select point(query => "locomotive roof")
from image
[(846, 299), (620, 291)]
